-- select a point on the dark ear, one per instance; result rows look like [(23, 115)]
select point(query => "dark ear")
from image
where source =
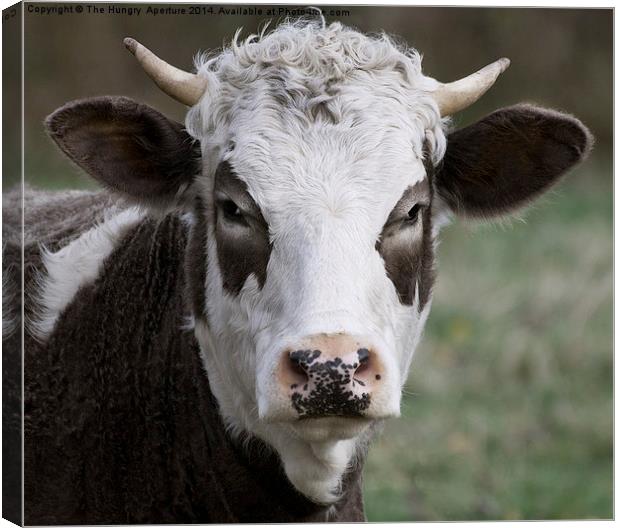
[(508, 158), (129, 147)]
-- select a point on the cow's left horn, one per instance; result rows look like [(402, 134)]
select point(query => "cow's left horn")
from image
[(187, 88), (458, 95)]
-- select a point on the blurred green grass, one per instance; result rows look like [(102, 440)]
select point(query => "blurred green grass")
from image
[(508, 409)]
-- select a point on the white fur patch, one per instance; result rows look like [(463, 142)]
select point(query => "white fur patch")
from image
[(75, 265)]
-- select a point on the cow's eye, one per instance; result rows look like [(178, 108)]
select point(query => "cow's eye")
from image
[(412, 214), (231, 212)]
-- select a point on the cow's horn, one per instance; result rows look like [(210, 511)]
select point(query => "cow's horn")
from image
[(458, 95), (187, 88)]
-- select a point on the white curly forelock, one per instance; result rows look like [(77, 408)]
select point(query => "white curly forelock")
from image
[(308, 66)]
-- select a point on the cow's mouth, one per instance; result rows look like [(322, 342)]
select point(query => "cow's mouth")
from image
[(330, 428)]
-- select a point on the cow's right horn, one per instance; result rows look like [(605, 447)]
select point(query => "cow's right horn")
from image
[(458, 95), (187, 88)]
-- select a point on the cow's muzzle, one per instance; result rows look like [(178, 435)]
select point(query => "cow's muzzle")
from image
[(330, 375)]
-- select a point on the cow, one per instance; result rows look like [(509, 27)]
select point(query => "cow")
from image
[(218, 335)]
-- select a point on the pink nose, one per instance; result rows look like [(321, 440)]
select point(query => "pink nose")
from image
[(330, 375)]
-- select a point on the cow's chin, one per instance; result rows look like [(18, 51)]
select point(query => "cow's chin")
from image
[(330, 429)]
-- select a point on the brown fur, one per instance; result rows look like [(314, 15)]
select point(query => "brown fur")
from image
[(129, 147), (11, 357), (52, 220), (508, 158), (196, 262)]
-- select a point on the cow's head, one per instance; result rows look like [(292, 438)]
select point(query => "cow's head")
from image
[(315, 172)]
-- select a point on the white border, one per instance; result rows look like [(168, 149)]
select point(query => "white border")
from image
[(456, 3)]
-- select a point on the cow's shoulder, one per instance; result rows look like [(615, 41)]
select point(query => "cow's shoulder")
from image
[(37, 223), (104, 388), (123, 255), (67, 237)]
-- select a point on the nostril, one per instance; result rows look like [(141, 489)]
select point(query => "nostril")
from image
[(363, 356), (297, 368), (299, 361)]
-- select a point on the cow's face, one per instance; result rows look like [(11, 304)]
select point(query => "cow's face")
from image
[(320, 250), (319, 254), (314, 193)]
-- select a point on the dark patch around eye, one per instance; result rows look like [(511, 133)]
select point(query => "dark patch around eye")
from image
[(410, 259), (240, 251)]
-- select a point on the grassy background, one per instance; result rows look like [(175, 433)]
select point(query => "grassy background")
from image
[(508, 411)]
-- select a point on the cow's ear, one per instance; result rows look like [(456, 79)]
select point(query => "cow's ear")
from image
[(508, 158), (128, 147)]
